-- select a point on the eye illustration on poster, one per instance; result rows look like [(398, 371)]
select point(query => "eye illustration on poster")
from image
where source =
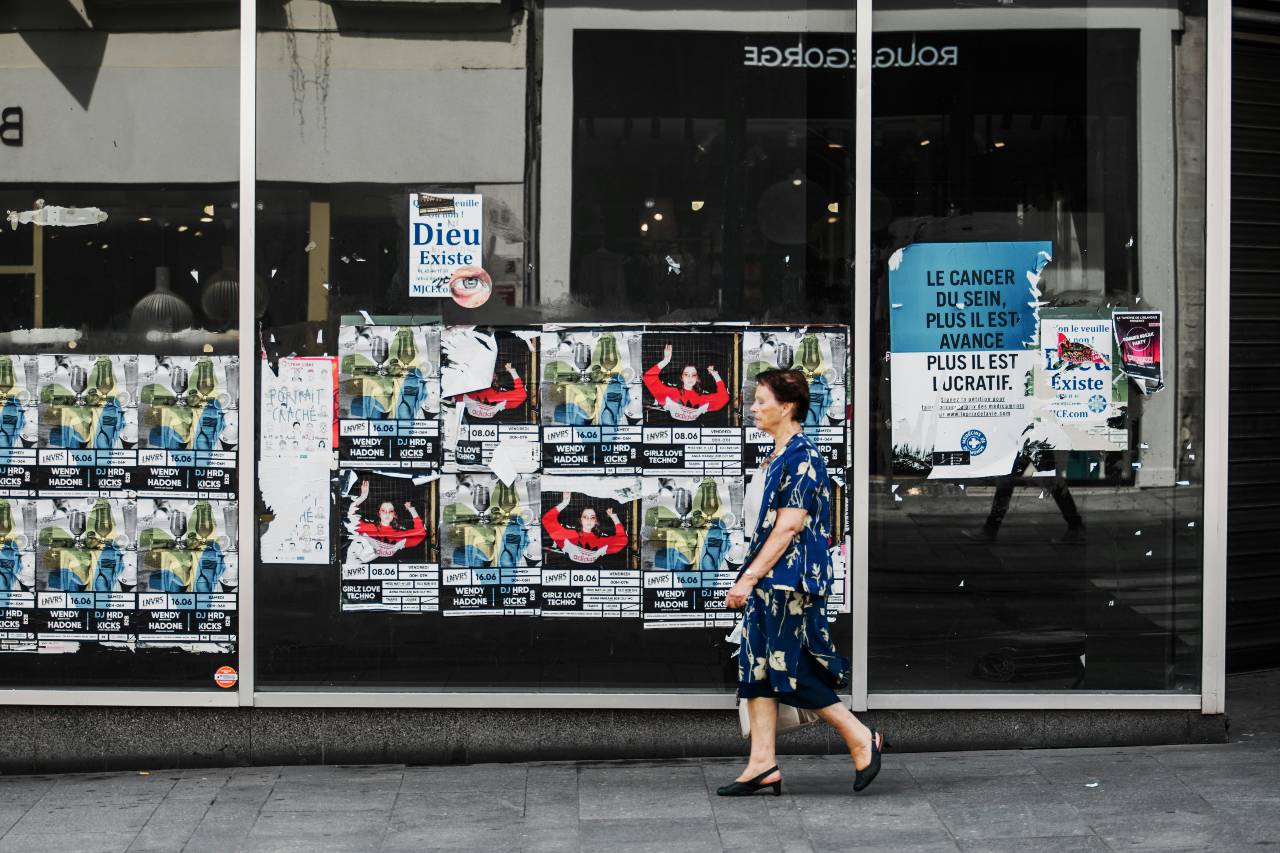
[(19, 421), (591, 547), (1080, 390), (388, 542), (188, 415), (592, 397), (88, 421), (86, 569), (692, 405), (491, 545), (17, 573), (821, 354), (388, 393), (502, 407), (692, 548), (188, 571)]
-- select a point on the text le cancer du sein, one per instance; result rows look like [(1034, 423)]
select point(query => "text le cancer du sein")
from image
[(979, 316)]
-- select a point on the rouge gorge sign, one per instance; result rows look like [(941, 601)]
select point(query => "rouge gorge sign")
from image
[(800, 56)]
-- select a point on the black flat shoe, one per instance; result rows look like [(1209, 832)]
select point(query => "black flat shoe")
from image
[(862, 778), (751, 786)]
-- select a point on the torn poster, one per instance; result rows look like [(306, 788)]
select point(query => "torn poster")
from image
[(963, 332), (470, 357), (1080, 396), (1139, 338), (502, 410), (591, 547), (88, 423), (19, 424), (692, 548), (446, 231), (490, 545), (692, 403), (389, 541), (188, 425), (388, 392), (592, 400), (296, 453), (18, 533), (821, 353)]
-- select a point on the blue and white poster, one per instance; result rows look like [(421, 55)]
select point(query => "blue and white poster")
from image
[(963, 326)]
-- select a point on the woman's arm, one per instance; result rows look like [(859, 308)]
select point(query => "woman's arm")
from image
[(615, 543), (717, 399), (787, 526), (551, 523)]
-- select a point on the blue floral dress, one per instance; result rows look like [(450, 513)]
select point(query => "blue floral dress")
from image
[(785, 616)]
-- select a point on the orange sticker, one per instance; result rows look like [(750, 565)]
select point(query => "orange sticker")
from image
[(226, 676)]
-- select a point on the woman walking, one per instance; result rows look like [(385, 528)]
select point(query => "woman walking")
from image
[(786, 653)]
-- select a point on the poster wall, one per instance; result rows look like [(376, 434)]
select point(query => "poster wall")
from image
[(118, 518), (389, 541), (963, 327)]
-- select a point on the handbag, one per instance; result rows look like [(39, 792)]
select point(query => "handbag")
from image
[(789, 719)]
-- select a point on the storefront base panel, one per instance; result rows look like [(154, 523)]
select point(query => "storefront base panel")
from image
[(118, 738)]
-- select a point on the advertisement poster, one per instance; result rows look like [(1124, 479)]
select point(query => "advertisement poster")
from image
[(388, 541), (502, 407), (18, 532), (188, 572), (86, 569), (1139, 339), (446, 231), (822, 355), (388, 392), (295, 453), (88, 423), (692, 546), (490, 545), (591, 547), (692, 403), (188, 415), (963, 326), (19, 421), (1078, 391), (592, 401)]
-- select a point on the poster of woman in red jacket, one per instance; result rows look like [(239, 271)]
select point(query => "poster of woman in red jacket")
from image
[(577, 534), (685, 383), (390, 529)]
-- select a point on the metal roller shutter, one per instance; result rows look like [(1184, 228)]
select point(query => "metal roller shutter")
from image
[(1253, 504)]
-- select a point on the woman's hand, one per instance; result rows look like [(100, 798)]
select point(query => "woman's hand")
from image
[(511, 370), (666, 356), (738, 593), (409, 506), (613, 516), (564, 501), (711, 369)]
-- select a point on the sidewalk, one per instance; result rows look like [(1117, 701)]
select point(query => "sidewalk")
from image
[(1219, 798)]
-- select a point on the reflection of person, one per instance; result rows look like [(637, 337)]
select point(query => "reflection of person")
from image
[(786, 653), (386, 536), (1074, 534), (587, 536), (487, 402), (688, 401)]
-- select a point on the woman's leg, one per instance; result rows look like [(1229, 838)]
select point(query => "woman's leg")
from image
[(856, 735), (764, 737)]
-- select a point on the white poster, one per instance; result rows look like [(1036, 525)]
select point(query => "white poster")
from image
[(1078, 388), (446, 232), (296, 455)]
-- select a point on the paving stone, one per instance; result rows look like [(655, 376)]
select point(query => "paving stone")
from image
[(170, 825), (81, 841), (1166, 831), (1067, 844), (643, 792), (479, 778), (654, 835), (455, 835), (460, 806), (1026, 817)]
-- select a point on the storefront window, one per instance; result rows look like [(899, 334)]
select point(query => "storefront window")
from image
[(1037, 303), (119, 381)]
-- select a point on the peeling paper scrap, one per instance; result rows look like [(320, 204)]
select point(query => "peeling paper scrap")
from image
[(53, 215), (513, 458), (469, 357)]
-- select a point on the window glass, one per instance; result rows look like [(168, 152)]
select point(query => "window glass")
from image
[(119, 381), (1038, 284)]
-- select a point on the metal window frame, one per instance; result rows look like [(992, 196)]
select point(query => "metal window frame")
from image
[(559, 22)]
